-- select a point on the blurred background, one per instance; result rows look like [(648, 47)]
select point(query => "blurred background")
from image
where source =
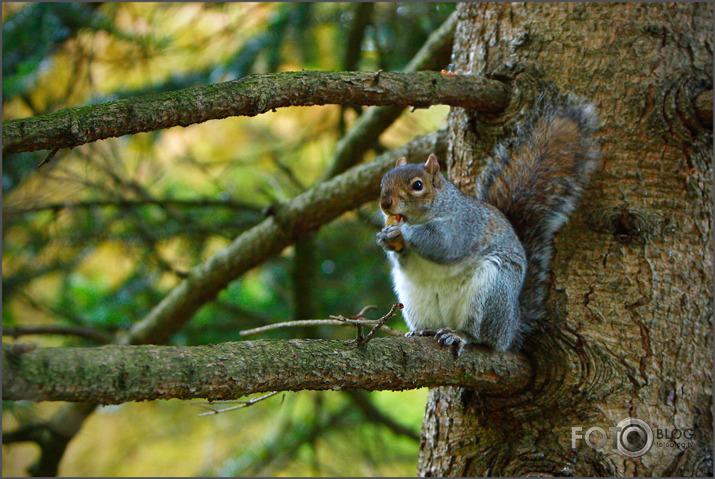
[(97, 237)]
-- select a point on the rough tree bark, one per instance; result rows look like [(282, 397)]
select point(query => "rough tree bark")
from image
[(115, 374), (247, 96), (629, 326)]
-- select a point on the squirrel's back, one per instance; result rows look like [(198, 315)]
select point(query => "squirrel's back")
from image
[(536, 180)]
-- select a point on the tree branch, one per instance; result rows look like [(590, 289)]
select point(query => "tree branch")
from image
[(52, 437), (373, 413), (134, 203), (115, 374), (34, 432), (301, 215), (249, 96), (81, 331)]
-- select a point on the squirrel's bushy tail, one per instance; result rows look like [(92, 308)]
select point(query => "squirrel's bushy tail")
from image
[(536, 180)]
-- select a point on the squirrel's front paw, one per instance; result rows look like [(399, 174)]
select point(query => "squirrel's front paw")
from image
[(390, 238)]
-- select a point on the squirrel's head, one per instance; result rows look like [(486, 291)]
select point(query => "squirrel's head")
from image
[(408, 191)]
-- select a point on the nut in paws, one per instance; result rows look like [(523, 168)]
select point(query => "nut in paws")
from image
[(390, 238)]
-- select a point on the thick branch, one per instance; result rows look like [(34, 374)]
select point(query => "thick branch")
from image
[(301, 215), (116, 374), (249, 96)]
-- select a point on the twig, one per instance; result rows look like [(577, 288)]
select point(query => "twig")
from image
[(358, 318), (382, 321), (359, 322), (363, 311), (289, 173), (290, 324), (356, 321), (48, 157), (376, 78), (373, 413), (320, 322), (250, 402)]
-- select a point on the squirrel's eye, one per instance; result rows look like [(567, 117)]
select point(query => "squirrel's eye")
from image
[(417, 185)]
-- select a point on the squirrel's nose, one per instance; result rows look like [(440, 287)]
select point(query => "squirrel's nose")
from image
[(386, 204)]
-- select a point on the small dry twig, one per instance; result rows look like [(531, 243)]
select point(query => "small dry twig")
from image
[(359, 323), (48, 157), (376, 78), (339, 320), (381, 322), (241, 404), (357, 320)]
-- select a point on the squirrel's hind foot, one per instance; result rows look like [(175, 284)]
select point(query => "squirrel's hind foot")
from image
[(446, 337), (456, 340)]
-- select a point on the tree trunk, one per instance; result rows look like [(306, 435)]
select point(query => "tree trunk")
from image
[(628, 329)]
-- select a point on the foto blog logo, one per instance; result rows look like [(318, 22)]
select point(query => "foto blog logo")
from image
[(631, 437)]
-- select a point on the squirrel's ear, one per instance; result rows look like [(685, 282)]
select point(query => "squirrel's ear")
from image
[(432, 165), (401, 161)]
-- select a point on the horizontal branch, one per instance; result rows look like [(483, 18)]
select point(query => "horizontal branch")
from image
[(81, 331), (14, 211), (249, 96), (116, 374), (288, 221)]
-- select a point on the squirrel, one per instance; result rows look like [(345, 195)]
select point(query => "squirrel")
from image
[(473, 269)]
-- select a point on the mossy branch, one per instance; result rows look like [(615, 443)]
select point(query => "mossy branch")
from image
[(249, 96), (115, 374)]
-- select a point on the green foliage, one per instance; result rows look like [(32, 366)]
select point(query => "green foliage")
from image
[(33, 34)]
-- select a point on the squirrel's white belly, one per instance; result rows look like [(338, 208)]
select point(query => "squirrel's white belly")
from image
[(437, 296)]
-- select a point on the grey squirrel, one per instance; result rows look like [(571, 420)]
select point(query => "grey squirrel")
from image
[(474, 268)]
